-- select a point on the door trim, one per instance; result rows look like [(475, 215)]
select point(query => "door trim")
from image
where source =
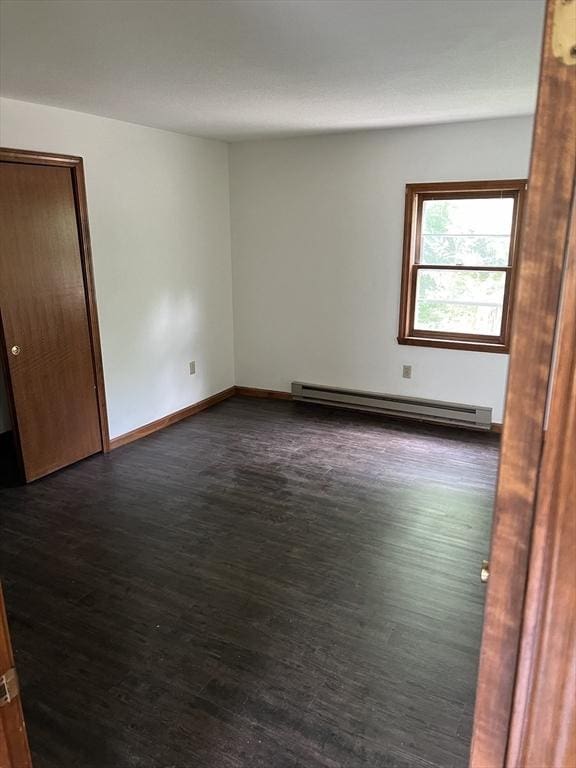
[(543, 724), (13, 739), (76, 166), (537, 311)]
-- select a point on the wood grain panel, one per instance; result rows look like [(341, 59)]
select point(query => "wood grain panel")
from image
[(541, 262), (543, 729), (43, 301)]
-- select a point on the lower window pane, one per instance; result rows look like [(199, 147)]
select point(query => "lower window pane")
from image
[(455, 301)]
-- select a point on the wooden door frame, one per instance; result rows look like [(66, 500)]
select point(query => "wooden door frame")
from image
[(545, 690), (511, 616), (13, 739), (76, 166)]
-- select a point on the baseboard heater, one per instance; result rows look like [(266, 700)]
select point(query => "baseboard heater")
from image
[(453, 414)]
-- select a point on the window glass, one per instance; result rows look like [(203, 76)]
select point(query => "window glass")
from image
[(471, 232), (456, 301)]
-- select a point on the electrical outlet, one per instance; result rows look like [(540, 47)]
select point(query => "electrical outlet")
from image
[(406, 371), (192, 367)]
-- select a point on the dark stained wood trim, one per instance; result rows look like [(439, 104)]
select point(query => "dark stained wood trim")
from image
[(543, 727), (496, 427), (76, 166), (171, 418), (537, 296), (273, 394), (414, 196), (9, 155), (13, 739)]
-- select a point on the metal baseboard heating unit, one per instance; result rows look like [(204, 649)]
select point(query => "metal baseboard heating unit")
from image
[(452, 414)]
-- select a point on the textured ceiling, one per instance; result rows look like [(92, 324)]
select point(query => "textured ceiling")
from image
[(237, 69)]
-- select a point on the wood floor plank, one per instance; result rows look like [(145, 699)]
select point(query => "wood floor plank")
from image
[(264, 584)]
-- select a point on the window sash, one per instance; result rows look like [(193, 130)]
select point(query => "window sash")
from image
[(416, 195), (425, 334), (422, 198)]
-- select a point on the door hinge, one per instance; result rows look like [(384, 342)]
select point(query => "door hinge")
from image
[(8, 687), (564, 31)]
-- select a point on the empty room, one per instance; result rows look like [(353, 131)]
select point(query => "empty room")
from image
[(287, 384)]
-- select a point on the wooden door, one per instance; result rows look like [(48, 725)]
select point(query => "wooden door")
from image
[(47, 340), (14, 752), (525, 715), (543, 723)]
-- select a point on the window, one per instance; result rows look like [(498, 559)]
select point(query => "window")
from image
[(460, 243)]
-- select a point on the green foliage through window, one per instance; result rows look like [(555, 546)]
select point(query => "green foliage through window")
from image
[(463, 232)]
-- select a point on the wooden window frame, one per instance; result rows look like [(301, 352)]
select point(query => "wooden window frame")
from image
[(416, 195)]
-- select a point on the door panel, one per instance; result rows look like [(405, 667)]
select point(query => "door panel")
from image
[(43, 304), (543, 724), (541, 278)]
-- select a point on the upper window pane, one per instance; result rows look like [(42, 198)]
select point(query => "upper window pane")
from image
[(467, 231)]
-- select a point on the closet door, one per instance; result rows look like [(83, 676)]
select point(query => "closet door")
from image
[(44, 315)]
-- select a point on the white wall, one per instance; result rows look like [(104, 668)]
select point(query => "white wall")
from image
[(317, 243), (159, 208), (317, 249)]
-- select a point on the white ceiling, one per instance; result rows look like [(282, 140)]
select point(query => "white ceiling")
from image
[(236, 69)]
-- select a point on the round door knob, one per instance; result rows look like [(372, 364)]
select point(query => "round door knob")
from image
[(15, 350)]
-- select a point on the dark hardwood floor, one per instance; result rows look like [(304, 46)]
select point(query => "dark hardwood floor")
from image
[(263, 585)]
